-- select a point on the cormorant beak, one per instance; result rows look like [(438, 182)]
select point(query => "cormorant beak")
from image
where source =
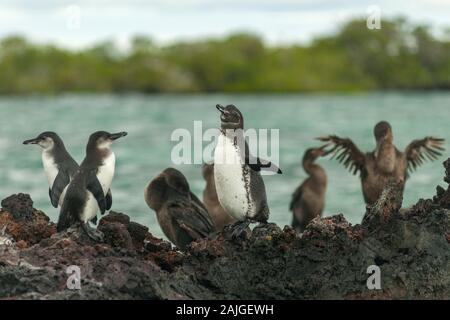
[(323, 151), (115, 136), (32, 141)]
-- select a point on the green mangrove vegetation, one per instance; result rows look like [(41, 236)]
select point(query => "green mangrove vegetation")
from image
[(400, 55)]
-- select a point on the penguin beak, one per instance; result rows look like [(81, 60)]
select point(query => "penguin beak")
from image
[(32, 141), (221, 109), (115, 136)]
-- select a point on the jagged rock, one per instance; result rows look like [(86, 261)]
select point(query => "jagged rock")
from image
[(388, 204), (23, 223), (20, 206), (328, 261)]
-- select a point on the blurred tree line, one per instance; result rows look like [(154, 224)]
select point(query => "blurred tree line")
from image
[(398, 56)]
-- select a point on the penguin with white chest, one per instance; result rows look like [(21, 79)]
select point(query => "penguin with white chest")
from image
[(240, 187), (59, 167), (86, 193)]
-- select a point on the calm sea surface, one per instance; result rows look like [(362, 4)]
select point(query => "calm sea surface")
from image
[(150, 121)]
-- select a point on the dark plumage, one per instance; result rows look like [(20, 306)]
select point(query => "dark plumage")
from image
[(378, 167), (211, 201), (308, 200), (181, 215)]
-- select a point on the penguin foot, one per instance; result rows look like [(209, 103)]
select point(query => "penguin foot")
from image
[(239, 230), (94, 234)]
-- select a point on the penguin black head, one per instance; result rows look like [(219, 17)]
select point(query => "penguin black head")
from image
[(382, 131), (230, 117), (103, 139), (170, 183), (313, 153), (47, 140)]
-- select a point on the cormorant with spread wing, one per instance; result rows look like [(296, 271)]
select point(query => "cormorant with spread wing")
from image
[(386, 161)]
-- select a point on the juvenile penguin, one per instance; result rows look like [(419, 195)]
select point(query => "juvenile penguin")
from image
[(386, 162), (89, 186), (211, 201), (181, 215), (240, 187), (59, 166), (308, 200)]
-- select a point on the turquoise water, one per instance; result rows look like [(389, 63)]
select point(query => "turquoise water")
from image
[(151, 119)]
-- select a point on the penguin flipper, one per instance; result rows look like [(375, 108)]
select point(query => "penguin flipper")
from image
[(94, 186), (108, 199), (256, 164), (51, 198), (61, 181)]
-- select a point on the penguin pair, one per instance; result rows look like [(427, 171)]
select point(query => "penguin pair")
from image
[(83, 190)]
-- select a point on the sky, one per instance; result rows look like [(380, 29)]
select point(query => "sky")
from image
[(81, 23)]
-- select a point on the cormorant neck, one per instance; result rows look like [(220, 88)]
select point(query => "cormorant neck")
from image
[(385, 156), (314, 170)]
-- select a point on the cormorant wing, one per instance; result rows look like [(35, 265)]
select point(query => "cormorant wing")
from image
[(196, 202), (257, 164), (108, 200), (61, 181), (195, 222), (419, 151), (346, 152), (94, 186), (296, 196)]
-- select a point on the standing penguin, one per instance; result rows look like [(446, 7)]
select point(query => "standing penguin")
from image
[(59, 166), (240, 187), (211, 201), (86, 193), (308, 200), (181, 215)]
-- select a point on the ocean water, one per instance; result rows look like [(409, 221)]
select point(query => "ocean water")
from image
[(151, 119)]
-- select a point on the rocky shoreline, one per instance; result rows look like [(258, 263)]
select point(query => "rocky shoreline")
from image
[(329, 261)]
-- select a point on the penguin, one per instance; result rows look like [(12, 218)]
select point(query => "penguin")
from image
[(237, 174), (386, 162), (308, 200), (86, 193), (211, 201), (181, 215), (59, 167)]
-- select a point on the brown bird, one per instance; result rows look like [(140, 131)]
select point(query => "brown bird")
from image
[(376, 168), (211, 201), (308, 200), (181, 215)]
